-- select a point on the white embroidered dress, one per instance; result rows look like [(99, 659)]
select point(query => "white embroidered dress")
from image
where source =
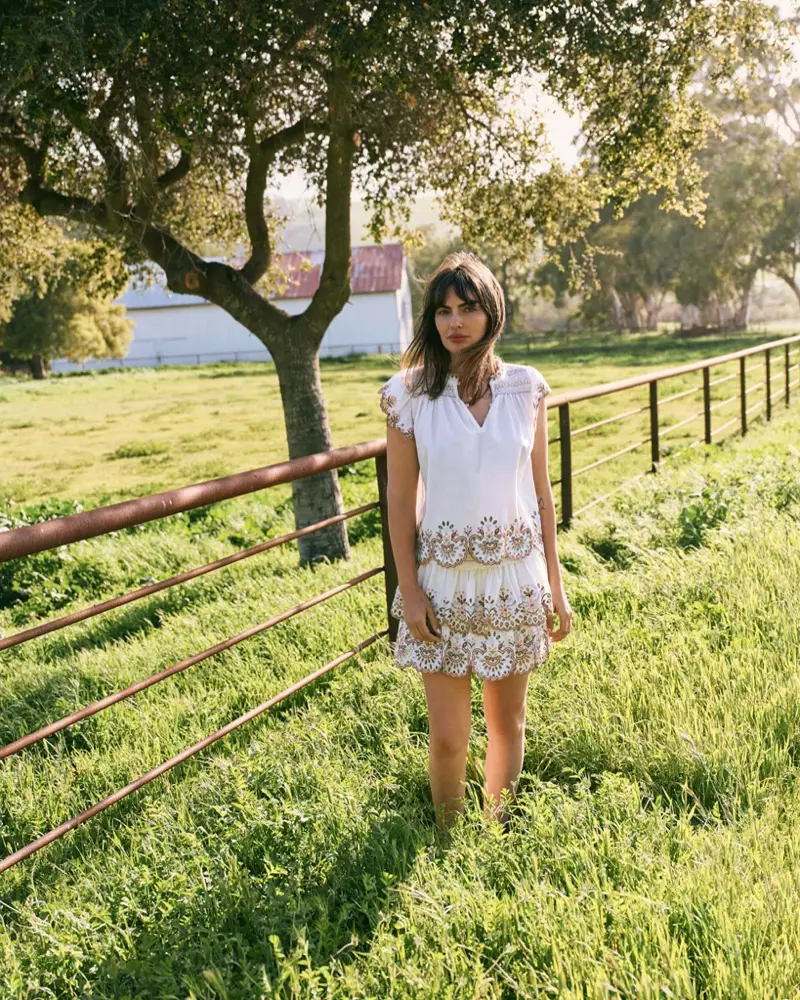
[(479, 550)]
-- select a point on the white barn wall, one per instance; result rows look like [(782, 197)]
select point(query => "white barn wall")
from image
[(200, 333)]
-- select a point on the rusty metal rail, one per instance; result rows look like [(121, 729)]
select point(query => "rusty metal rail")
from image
[(102, 520), (88, 524), (128, 692), (153, 588)]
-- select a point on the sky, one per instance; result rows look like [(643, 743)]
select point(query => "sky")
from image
[(561, 130)]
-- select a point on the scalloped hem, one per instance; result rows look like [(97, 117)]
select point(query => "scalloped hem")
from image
[(490, 656)]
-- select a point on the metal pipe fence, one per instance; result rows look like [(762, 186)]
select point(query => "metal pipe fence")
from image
[(564, 401), (24, 541)]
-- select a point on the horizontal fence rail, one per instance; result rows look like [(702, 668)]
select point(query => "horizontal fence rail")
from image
[(27, 540)]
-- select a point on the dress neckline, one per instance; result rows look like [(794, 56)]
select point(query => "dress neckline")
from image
[(493, 380)]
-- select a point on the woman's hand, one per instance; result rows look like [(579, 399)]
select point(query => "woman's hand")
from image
[(562, 608), (418, 614)]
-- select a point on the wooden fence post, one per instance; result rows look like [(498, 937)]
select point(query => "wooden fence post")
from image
[(707, 403), (655, 451), (390, 570), (743, 394), (566, 464)]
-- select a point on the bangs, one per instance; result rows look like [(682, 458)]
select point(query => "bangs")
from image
[(460, 284)]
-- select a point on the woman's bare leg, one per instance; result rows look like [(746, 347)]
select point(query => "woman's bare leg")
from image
[(449, 715), (504, 709)]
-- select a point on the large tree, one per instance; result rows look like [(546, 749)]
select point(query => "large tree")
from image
[(161, 121)]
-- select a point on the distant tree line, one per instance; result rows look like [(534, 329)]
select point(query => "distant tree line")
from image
[(751, 220)]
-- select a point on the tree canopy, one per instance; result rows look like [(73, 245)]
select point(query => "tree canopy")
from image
[(161, 122)]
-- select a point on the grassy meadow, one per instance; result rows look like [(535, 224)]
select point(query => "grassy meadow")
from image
[(654, 848)]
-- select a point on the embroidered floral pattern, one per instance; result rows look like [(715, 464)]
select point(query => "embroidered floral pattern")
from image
[(491, 658), (490, 543), (491, 634), (388, 404), (503, 630), (485, 613)]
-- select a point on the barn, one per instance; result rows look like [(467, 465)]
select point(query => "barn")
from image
[(174, 329)]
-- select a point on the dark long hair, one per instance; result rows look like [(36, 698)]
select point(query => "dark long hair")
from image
[(472, 282)]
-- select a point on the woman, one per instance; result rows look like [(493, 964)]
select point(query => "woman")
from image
[(478, 574)]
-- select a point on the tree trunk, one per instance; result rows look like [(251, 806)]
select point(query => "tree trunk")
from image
[(708, 313), (511, 305), (38, 366), (742, 315), (616, 309), (690, 316), (308, 431), (653, 310), (741, 307), (630, 306)]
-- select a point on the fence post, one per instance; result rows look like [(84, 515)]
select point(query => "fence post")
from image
[(390, 570), (769, 384), (655, 451), (743, 394), (566, 464), (707, 403), (788, 366)]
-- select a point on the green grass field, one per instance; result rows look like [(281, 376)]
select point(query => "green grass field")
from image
[(654, 848)]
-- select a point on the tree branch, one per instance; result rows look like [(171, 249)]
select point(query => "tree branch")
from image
[(97, 130), (32, 156), (262, 156), (186, 272), (176, 173), (334, 285)]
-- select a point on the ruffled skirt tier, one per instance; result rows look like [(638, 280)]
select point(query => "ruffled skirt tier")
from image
[(493, 619)]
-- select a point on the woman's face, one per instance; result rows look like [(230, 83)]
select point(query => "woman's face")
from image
[(460, 323)]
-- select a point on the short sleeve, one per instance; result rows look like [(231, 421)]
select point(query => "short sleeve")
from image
[(540, 386), (396, 403)]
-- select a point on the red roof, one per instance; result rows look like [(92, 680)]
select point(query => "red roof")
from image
[(372, 269)]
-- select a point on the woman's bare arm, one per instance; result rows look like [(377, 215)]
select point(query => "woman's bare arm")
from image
[(403, 481), (403, 474), (547, 513)]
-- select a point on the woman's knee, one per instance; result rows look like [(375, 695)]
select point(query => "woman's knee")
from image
[(448, 742), (507, 729)]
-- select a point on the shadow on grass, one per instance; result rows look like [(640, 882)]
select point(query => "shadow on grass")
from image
[(691, 791), (274, 877), (88, 737), (228, 927), (237, 373), (127, 622)]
